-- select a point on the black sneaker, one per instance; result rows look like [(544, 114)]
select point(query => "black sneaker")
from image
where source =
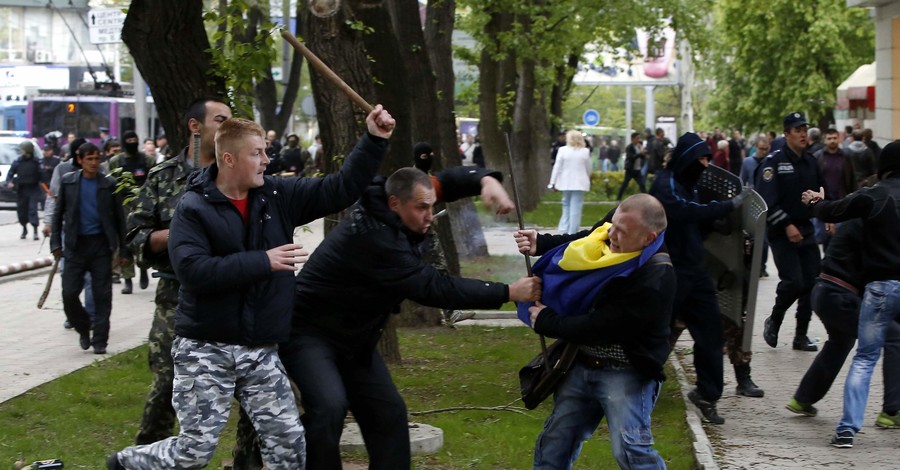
[(770, 332), (802, 343), (707, 408), (112, 463), (67, 325), (842, 440), (128, 287), (84, 340), (99, 349)]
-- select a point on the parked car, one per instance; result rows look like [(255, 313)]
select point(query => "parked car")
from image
[(9, 151)]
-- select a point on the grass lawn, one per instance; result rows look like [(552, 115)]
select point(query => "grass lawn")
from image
[(82, 417)]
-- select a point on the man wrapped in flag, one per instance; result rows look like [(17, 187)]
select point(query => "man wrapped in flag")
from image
[(610, 290)]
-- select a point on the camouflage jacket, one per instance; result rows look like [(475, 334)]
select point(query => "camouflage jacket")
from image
[(153, 210)]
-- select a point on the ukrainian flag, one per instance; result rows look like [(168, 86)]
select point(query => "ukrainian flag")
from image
[(573, 273)]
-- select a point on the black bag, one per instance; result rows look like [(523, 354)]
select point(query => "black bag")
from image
[(540, 377)]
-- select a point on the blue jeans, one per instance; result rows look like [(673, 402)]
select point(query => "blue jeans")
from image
[(880, 307), (572, 203), (582, 400)]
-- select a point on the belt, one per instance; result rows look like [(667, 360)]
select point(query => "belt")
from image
[(839, 281), (593, 362)]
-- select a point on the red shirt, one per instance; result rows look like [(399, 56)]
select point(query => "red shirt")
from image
[(241, 205)]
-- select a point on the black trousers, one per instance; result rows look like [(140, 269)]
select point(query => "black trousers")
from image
[(632, 175), (838, 308), (798, 266), (91, 254), (330, 384), (696, 306), (27, 199)]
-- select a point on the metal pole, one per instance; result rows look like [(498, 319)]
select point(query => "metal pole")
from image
[(512, 181)]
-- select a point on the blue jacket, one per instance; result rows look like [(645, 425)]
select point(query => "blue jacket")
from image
[(675, 189), (229, 292)]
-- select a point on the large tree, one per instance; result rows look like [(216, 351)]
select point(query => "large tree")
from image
[(771, 57), (171, 49), (528, 53)]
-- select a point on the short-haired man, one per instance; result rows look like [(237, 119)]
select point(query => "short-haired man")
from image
[(231, 244), (838, 176), (623, 335), (635, 158), (345, 294), (783, 177), (87, 210)]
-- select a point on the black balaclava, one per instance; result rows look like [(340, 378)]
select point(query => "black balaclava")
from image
[(131, 148), (423, 155)]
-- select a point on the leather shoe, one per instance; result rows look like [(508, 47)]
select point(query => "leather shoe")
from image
[(145, 281), (770, 332), (84, 340), (128, 287), (67, 325), (802, 343), (99, 349)]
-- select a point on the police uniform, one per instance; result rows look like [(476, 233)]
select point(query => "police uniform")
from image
[(781, 180)]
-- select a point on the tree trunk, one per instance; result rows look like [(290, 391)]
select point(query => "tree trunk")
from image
[(168, 41), (391, 76), (341, 123), (388, 346)]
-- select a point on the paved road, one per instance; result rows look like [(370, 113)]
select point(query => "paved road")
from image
[(758, 432)]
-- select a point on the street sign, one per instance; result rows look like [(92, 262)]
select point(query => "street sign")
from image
[(105, 25), (591, 117)]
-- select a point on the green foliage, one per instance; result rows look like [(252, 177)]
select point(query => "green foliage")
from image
[(126, 186), (84, 416), (771, 57), (243, 49)]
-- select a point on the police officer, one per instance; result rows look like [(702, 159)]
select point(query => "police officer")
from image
[(782, 178), (25, 176)]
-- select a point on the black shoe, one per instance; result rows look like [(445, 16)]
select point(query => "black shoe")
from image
[(145, 280), (707, 408), (36, 237), (67, 325), (747, 388), (802, 343), (24, 233), (99, 349), (763, 273), (770, 331), (128, 287), (84, 340), (112, 463), (116, 279), (842, 440)]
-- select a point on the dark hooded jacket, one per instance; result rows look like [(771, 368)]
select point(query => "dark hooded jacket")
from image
[(371, 262), (675, 187), (229, 292)]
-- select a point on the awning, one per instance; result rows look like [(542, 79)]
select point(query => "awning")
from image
[(859, 86)]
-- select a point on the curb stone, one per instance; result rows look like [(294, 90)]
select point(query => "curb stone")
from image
[(703, 451)]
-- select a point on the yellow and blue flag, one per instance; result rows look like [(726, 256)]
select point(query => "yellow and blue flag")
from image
[(574, 272)]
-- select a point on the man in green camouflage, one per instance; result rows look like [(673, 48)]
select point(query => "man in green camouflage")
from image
[(147, 236)]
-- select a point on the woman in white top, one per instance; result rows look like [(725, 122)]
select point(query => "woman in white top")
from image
[(571, 175)]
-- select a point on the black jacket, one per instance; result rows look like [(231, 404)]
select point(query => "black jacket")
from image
[(67, 212), (228, 291), (371, 262), (782, 179), (879, 209), (26, 172), (634, 312), (674, 187)]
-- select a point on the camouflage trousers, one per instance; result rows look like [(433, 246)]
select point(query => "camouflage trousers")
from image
[(207, 375), (126, 269), (158, 420)]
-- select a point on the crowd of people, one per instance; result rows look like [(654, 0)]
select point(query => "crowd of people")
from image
[(232, 320)]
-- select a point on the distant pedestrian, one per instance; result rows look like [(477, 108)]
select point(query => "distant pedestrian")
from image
[(25, 177), (48, 164), (572, 175), (86, 209), (635, 156)]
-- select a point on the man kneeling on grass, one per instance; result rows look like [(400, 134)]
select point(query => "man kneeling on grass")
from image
[(610, 290)]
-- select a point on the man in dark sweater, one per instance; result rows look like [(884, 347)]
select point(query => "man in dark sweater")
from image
[(623, 337), (347, 291), (879, 209)]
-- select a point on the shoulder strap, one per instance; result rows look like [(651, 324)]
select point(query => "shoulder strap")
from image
[(659, 258)]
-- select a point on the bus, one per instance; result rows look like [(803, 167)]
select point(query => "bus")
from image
[(13, 114), (84, 114)]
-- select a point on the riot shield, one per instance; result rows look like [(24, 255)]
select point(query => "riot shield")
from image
[(733, 248)]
